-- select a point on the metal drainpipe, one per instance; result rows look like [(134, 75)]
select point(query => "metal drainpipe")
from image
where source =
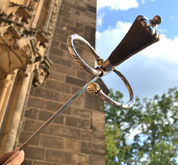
[(22, 98)]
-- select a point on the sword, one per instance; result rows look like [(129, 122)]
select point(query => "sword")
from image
[(141, 34)]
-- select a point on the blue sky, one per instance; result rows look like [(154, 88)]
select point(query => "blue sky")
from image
[(153, 70)]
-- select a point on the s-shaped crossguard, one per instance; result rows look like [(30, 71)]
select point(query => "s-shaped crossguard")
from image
[(141, 34)]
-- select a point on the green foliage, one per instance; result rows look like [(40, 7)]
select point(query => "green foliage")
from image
[(145, 134)]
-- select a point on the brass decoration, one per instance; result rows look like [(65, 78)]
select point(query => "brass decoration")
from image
[(93, 88)]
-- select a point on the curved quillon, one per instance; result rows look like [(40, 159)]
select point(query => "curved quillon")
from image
[(76, 56), (93, 88), (98, 71)]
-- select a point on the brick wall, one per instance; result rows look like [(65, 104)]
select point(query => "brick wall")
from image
[(76, 137)]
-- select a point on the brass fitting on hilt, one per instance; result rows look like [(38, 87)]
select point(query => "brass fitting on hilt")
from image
[(93, 88)]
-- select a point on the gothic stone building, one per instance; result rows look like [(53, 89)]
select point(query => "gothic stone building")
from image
[(38, 75)]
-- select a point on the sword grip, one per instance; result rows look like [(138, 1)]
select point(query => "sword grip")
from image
[(140, 35)]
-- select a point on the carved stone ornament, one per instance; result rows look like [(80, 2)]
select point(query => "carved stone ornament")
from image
[(50, 24), (12, 55), (41, 71), (42, 40), (4, 4), (17, 13), (20, 42)]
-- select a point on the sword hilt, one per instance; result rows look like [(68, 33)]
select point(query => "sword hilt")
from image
[(141, 34)]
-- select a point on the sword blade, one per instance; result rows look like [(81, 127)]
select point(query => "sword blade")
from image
[(58, 112)]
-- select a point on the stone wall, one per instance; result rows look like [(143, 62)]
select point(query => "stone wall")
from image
[(76, 137)]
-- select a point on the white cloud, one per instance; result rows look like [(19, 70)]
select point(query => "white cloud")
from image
[(165, 48), (143, 1), (99, 19), (135, 131), (97, 34), (117, 4)]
